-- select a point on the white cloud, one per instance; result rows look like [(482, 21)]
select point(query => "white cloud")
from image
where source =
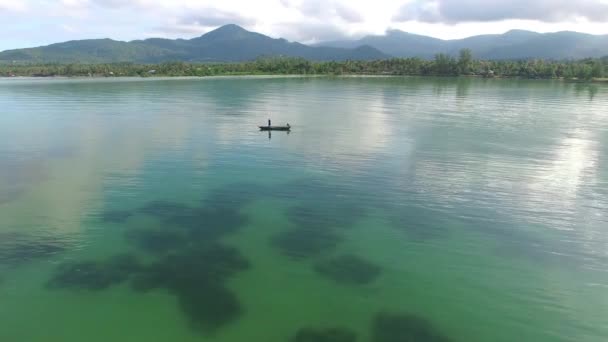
[(455, 11), (12, 6), (326, 9), (74, 3), (301, 20), (68, 28), (311, 32), (348, 14), (212, 17)]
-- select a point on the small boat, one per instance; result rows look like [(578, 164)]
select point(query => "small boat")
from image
[(275, 128)]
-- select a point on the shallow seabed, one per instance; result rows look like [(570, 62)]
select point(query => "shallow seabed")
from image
[(397, 209)]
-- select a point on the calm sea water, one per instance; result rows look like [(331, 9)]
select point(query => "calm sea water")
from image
[(398, 209)]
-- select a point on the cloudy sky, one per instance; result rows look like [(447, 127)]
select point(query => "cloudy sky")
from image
[(27, 23)]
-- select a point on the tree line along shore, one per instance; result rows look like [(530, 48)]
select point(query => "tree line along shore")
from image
[(442, 65)]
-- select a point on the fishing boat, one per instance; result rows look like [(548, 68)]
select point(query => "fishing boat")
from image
[(275, 128)]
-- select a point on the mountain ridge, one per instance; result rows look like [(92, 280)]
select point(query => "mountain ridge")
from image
[(228, 43), (232, 43), (513, 44)]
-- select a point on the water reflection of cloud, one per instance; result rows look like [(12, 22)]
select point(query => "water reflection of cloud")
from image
[(566, 186), (535, 161), (429, 136), (331, 128), (17, 174), (561, 180), (111, 139)]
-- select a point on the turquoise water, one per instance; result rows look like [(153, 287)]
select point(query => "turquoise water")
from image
[(397, 209)]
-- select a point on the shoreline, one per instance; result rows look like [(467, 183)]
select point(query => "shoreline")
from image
[(157, 77)]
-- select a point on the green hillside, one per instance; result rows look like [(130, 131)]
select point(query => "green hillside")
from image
[(229, 43), (515, 44)]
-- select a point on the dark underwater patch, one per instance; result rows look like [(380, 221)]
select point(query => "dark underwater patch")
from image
[(324, 335), (17, 248), (156, 240), (323, 204), (208, 223), (196, 275), (348, 269), (208, 306), (194, 267), (95, 275), (302, 243), (322, 209), (391, 327), (184, 226)]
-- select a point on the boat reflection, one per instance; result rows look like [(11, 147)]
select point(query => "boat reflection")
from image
[(270, 134)]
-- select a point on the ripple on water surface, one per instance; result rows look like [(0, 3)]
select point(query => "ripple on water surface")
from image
[(398, 209)]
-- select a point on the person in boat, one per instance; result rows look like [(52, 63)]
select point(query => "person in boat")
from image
[(269, 123), (288, 127)]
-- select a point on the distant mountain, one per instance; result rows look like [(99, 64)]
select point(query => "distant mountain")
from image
[(232, 43), (396, 43), (229, 43), (516, 44)]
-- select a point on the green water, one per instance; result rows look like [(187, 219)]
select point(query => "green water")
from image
[(398, 209)]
